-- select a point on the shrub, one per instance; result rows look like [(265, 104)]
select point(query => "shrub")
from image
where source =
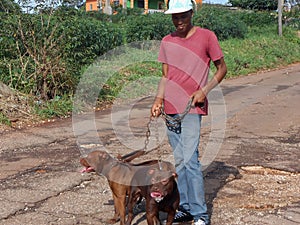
[(155, 26), (35, 58), (257, 19), (222, 21), (44, 54), (88, 38), (148, 27), (255, 4)]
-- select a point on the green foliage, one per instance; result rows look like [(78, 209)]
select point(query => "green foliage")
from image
[(131, 73), (255, 4), (46, 54), (88, 38), (9, 6), (261, 50), (4, 119), (98, 16), (292, 37), (292, 18), (35, 66), (148, 27), (57, 107), (256, 19), (222, 21), (218, 19)]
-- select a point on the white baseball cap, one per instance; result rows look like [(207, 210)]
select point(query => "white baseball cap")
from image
[(179, 6)]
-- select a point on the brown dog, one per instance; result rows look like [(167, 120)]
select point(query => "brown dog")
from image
[(159, 188), (119, 176)]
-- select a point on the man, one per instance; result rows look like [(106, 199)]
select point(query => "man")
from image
[(185, 56)]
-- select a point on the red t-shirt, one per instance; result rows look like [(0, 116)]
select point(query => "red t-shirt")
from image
[(188, 62)]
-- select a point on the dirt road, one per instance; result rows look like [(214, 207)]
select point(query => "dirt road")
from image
[(251, 169)]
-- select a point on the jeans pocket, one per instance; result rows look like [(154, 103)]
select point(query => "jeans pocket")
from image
[(173, 124)]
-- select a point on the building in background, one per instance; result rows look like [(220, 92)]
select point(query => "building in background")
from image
[(149, 6)]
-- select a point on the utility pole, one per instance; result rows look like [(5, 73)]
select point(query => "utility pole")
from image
[(280, 6)]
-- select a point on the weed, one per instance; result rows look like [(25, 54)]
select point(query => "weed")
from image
[(4, 120), (57, 107)]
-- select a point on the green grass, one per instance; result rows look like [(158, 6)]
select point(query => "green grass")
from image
[(262, 49), (4, 120), (133, 81), (59, 107)]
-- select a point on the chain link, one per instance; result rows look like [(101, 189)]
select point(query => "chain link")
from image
[(148, 133), (157, 140), (147, 140), (177, 119)]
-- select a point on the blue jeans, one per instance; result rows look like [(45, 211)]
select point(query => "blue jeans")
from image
[(188, 167)]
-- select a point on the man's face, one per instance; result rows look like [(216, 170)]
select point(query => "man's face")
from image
[(182, 21)]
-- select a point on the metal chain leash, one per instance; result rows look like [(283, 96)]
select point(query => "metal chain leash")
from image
[(175, 120), (157, 140), (179, 117), (147, 140), (148, 133)]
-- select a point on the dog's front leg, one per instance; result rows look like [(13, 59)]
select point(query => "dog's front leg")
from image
[(152, 212), (116, 216), (120, 210), (170, 217)]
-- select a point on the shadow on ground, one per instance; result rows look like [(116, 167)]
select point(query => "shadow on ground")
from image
[(215, 176)]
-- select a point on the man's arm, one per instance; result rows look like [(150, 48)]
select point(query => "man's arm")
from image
[(200, 95), (155, 110)]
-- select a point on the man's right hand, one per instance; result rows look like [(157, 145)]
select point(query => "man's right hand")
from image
[(156, 107)]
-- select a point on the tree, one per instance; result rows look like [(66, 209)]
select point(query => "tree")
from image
[(37, 5), (255, 4), (9, 6), (32, 54)]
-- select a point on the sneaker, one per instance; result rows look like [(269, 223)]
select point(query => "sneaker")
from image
[(199, 222), (182, 216)]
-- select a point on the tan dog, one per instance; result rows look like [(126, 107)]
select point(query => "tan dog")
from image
[(119, 176)]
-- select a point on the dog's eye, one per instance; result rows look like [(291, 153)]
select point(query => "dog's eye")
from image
[(164, 181)]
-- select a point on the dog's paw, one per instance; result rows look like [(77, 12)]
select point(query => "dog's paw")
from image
[(112, 221)]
